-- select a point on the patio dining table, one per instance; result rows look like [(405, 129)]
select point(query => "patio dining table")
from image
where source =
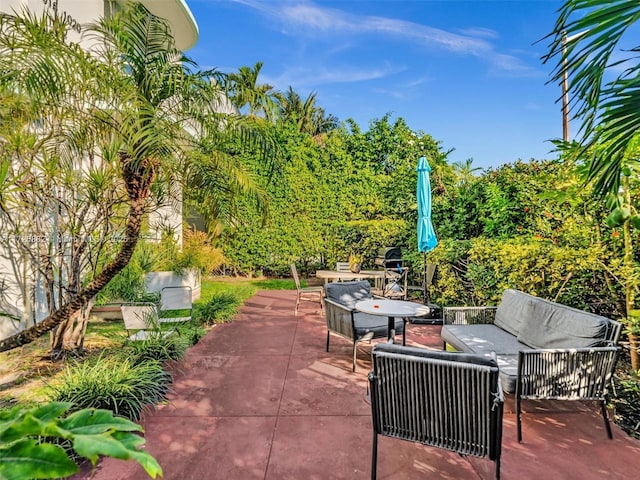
[(391, 309), (334, 275)]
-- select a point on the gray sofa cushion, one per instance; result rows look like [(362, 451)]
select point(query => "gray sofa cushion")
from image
[(366, 324), (348, 293), (436, 354), (509, 312), (481, 339), (552, 325), (508, 365)]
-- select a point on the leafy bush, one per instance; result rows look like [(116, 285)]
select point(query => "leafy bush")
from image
[(157, 348), (221, 308), (115, 383), (197, 252), (192, 334), (128, 285), (25, 452)]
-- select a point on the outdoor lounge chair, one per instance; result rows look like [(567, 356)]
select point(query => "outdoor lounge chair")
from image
[(176, 300), (141, 321), (311, 294), (446, 400)]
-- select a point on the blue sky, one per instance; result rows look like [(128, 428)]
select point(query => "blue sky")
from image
[(466, 72)]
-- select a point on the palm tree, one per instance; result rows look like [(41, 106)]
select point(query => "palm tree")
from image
[(587, 44), (147, 103), (305, 114), (465, 170), (246, 93)]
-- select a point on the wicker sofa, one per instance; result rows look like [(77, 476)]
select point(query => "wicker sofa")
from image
[(545, 350)]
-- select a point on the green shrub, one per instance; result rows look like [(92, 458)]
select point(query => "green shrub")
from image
[(221, 308), (115, 383), (158, 348), (193, 334)]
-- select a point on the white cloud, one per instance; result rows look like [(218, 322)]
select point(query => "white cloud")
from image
[(306, 77), (308, 18)]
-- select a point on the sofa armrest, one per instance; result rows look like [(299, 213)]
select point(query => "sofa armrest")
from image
[(468, 315), (339, 318), (567, 374)]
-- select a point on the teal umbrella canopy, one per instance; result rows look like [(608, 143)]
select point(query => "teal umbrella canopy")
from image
[(427, 240)]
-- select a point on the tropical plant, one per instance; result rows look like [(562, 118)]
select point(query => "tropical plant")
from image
[(307, 117), (28, 436), (144, 101), (589, 44), (246, 93)]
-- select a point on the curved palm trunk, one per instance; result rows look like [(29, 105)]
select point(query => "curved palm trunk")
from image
[(138, 180)]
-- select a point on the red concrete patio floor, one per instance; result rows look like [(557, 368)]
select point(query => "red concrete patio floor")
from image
[(259, 398)]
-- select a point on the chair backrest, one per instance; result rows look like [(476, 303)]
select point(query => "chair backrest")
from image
[(342, 267), (348, 293), (446, 400), (139, 316), (296, 278), (176, 298)]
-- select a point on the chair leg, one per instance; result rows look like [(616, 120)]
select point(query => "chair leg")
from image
[(607, 425), (374, 456), (519, 417), (297, 304), (328, 335), (404, 335), (497, 460), (355, 350)]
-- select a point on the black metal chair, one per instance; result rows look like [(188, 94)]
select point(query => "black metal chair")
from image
[(446, 400), (345, 321)]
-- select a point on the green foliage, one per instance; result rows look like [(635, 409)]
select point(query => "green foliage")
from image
[(25, 451), (158, 348), (198, 253), (117, 383), (222, 307), (589, 38), (352, 192)]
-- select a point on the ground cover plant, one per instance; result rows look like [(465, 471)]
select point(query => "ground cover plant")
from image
[(122, 383)]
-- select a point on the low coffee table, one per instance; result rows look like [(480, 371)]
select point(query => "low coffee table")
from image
[(391, 309)]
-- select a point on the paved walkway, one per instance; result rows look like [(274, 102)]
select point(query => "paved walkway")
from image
[(259, 398)]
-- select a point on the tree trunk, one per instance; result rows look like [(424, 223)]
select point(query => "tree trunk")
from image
[(138, 177), (634, 345), (630, 269)]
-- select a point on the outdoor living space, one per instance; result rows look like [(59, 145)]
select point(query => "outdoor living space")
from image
[(261, 398)]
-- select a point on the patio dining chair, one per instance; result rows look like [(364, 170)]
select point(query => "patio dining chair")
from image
[(445, 400), (141, 321), (176, 304), (311, 294)]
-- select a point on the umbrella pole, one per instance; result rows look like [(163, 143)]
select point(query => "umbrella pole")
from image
[(425, 289)]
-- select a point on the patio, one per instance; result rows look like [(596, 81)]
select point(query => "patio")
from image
[(260, 398)]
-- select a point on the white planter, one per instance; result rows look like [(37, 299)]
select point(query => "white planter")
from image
[(156, 281)]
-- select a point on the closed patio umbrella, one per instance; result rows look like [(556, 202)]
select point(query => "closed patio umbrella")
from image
[(427, 240)]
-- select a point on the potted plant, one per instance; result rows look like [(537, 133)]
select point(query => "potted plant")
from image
[(355, 262)]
